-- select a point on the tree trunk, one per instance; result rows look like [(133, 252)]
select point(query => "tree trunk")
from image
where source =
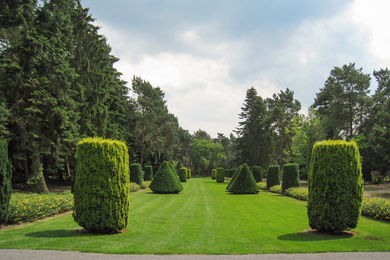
[(37, 173)]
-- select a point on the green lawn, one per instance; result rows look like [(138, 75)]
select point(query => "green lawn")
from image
[(203, 219)]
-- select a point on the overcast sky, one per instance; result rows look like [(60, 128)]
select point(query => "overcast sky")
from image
[(205, 54)]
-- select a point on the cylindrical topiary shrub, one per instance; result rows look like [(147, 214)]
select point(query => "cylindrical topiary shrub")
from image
[(183, 174), (148, 173), (102, 185), (234, 177), (166, 180), (290, 176), (214, 174), (188, 173), (273, 176), (244, 183), (5, 182), (136, 173), (257, 172), (220, 174), (335, 186)]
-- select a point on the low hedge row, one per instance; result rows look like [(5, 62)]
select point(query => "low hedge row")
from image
[(30, 207), (377, 208)]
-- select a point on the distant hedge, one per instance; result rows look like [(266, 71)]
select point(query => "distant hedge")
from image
[(101, 189), (335, 186), (290, 176), (148, 173), (5, 182), (136, 173), (220, 174), (273, 176), (257, 172), (183, 174), (213, 174)]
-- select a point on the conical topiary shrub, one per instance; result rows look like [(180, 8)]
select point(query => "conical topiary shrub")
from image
[(183, 174), (148, 173), (257, 172), (165, 180), (234, 177), (102, 185), (245, 183), (5, 182)]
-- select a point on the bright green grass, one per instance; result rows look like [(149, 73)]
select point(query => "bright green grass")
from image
[(203, 219)]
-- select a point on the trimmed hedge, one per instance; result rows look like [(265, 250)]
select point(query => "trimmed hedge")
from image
[(244, 183), (166, 180), (297, 193), (335, 186), (183, 174), (257, 172), (189, 174), (5, 182), (273, 176), (136, 173), (148, 173), (220, 174), (290, 176), (234, 177), (101, 190), (213, 174)]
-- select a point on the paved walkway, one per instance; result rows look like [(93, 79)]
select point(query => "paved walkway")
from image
[(15, 254)]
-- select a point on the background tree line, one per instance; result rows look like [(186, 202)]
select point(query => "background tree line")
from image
[(58, 84)]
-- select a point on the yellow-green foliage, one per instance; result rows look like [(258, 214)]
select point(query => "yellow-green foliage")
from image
[(5, 182), (30, 207), (276, 189), (262, 185), (183, 174), (101, 189), (297, 193), (377, 208), (335, 186)]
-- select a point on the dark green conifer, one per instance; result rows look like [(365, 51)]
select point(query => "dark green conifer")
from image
[(244, 183), (165, 180)]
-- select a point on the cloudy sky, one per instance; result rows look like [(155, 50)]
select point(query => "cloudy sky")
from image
[(205, 54)]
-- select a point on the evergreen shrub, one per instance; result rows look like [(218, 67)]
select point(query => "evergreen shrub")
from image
[(335, 186), (273, 176), (136, 173), (148, 173), (214, 174), (244, 183), (234, 177), (166, 180), (290, 176), (189, 174), (220, 174), (102, 187), (183, 174), (5, 182), (257, 172)]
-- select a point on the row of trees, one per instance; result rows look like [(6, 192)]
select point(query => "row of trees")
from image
[(273, 131)]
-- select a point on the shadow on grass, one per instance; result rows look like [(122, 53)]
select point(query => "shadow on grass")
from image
[(312, 235), (66, 233)]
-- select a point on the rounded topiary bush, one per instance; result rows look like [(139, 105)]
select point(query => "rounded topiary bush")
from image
[(220, 174), (183, 174), (290, 176), (257, 172), (234, 177), (244, 183), (148, 173), (335, 186), (5, 182), (165, 180), (214, 174), (273, 176), (102, 185), (136, 173)]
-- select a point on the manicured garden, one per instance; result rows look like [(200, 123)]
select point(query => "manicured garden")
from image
[(203, 219)]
